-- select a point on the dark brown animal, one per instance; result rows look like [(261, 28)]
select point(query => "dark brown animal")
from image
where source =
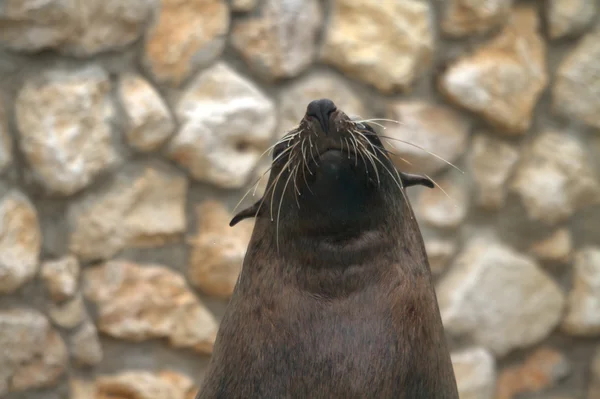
[(335, 298)]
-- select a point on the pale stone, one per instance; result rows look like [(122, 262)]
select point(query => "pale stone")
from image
[(569, 17), (444, 207), (498, 298), (61, 277), (295, 97), (6, 144), (475, 372), (143, 302), (492, 162), (68, 314), (428, 127), (139, 384), (384, 43), (280, 42), (82, 389), (64, 120), (85, 345), (187, 35), (226, 124), (20, 241), (576, 91), (556, 248), (467, 17), (217, 250), (556, 178), (150, 123), (503, 80), (439, 253), (80, 28), (146, 210), (32, 354), (540, 371), (583, 310), (243, 5)]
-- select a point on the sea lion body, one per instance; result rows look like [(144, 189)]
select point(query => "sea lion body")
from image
[(335, 298)]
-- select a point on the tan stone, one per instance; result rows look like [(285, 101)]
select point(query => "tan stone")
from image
[(503, 80), (227, 122), (32, 354), (143, 302), (540, 371), (576, 91), (384, 43), (217, 250), (492, 162), (555, 178), (498, 298), (144, 210), (430, 128), (439, 253), (85, 345), (139, 384), (569, 17), (187, 35), (61, 277), (444, 206), (6, 144), (150, 122), (63, 117), (583, 310), (466, 17), (280, 42), (20, 241), (68, 314), (475, 372), (556, 248), (82, 388), (243, 5)]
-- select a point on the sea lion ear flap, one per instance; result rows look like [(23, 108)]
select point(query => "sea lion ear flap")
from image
[(246, 213), (415, 180)]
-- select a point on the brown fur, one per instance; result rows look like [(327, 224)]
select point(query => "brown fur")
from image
[(348, 313)]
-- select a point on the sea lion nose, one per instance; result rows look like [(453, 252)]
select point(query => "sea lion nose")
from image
[(321, 110)]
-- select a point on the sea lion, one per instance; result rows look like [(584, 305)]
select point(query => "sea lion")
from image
[(335, 298)]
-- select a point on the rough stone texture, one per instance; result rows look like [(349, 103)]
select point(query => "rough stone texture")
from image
[(63, 117), (142, 302), (32, 354), (491, 162), (583, 310), (20, 241), (544, 368), (498, 298), (444, 207), (569, 17), (80, 28), (439, 252), (475, 372), (186, 35), (85, 346), (556, 178), (226, 123), (295, 97), (217, 250), (280, 42), (466, 17), (556, 248), (434, 128), (61, 277), (68, 314), (6, 144), (150, 122), (576, 92), (503, 80), (386, 43), (147, 210), (136, 384), (243, 5)]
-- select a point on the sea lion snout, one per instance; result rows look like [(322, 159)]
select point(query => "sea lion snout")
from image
[(322, 111)]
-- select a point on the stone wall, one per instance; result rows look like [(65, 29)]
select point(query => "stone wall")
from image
[(129, 130)]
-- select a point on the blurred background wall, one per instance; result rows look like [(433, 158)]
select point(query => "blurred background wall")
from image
[(129, 130)]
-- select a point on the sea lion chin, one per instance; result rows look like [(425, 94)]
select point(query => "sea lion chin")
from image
[(335, 297)]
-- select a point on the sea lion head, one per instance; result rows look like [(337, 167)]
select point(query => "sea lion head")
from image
[(331, 177)]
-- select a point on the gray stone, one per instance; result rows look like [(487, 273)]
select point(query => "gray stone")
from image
[(226, 124), (383, 43), (85, 346), (64, 120), (444, 206), (20, 241), (467, 17), (569, 17), (6, 145), (61, 277), (243, 5), (68, 314), (475, 372), (439, 253), (557, 247)]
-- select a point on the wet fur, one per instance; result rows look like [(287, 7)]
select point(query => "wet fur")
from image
[(333, 305)]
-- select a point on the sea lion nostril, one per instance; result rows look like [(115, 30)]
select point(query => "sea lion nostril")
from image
[(321, 110)]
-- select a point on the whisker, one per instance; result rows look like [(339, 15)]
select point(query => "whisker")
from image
[(444, 191), (279, 211)]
